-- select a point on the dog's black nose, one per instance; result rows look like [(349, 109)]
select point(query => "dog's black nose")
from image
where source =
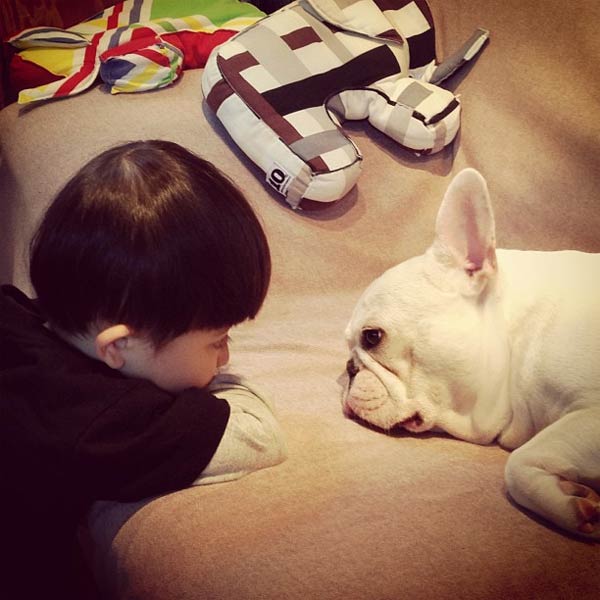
[(351, 368)]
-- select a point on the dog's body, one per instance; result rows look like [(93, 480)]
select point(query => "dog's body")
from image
[(490, 345)]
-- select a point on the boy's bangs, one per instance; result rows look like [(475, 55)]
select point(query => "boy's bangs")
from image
[(185, 283)]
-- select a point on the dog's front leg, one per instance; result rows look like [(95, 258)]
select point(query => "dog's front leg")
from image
[(557, 473)]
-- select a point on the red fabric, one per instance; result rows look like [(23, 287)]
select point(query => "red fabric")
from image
[(196, 46), (24, 74)]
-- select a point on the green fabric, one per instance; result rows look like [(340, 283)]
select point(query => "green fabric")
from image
[(218, 12)]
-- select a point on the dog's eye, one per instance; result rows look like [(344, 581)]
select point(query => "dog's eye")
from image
[(369, 338)]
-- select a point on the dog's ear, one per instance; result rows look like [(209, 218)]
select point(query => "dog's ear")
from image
[(465, 230)]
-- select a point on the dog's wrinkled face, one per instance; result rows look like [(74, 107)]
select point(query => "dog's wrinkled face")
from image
[(412, 351), (417, 337)]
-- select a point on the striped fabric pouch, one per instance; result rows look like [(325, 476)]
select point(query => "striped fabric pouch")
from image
[(283, 87), (140, 66)]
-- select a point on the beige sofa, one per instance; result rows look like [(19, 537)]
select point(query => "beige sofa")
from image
[(353, 514)]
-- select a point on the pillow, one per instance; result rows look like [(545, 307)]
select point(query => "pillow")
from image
[(283, 87)]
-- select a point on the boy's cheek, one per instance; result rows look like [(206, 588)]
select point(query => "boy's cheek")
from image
[(179, 378), (177, 367)]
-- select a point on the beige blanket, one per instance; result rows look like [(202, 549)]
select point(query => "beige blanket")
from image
[(353, 514)]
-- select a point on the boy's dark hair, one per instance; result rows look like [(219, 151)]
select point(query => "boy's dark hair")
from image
[(152, 236)]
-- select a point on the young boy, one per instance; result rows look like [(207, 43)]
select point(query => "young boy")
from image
[(108, 380)]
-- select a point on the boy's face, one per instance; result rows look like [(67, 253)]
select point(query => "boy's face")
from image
[(189, 360)]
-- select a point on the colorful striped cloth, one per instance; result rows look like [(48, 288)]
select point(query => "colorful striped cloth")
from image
[(283, 87), (135, 45)]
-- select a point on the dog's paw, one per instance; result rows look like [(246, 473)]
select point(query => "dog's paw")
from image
[(586, 503)]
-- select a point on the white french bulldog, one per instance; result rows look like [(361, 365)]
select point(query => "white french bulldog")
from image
[(487, 345)]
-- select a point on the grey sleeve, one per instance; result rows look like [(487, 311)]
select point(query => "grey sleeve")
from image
[(252, 440)]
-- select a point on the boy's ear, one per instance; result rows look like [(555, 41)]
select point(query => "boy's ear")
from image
[(111, 343)]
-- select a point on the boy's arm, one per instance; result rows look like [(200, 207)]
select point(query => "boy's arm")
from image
[(252, 440)]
